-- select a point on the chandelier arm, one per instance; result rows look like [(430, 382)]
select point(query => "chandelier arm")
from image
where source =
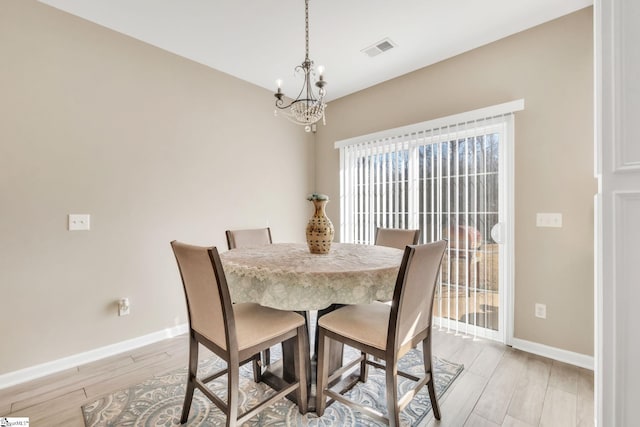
[(284, 107), (305, 67), (307, 82)]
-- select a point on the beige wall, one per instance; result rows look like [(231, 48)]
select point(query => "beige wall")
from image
[(154, 147), (149, 144), (551, 67)]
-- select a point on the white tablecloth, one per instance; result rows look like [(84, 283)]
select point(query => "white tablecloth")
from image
[(287, 276)]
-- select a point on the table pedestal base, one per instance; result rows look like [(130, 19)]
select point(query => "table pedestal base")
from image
[(284, 368), (274, 374)]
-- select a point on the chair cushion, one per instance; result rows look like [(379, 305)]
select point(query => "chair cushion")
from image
[(366, 323), (256, 324)]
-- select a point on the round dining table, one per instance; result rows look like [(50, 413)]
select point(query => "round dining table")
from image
[(287, 276)]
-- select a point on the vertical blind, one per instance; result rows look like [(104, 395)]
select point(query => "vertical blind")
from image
[(443, 177)]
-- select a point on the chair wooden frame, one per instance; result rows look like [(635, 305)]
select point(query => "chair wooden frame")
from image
[(393, 350), (396, 237), (263, 236), (231, 354)]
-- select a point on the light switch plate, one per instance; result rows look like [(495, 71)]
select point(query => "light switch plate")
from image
[(549, 220), (79, 222)]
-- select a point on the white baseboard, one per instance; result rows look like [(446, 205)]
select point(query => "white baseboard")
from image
[(37, 371), (33, 372), (577, 359)]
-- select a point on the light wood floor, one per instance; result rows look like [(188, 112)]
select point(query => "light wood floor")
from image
[(498, 387)]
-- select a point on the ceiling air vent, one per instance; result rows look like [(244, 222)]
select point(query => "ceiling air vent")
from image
[(379, 47)]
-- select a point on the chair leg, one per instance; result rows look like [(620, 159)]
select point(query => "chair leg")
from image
[(233, 379), (322, 377), (191, 385), (434, 399), (428, 368), (364, 368), (393, 411), (257, 368)]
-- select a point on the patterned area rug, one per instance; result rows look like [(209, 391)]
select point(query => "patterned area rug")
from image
[(158, 401)]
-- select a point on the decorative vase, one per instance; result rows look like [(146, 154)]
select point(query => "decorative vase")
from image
[(320, 229)]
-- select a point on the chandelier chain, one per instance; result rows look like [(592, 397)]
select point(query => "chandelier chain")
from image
[(306, 28)]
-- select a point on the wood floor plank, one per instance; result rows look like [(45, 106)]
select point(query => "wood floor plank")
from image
[(66, 418), (537, 370), (564, 377), (173, 346), (87, 374), (41, 398), (40, 412), (446, 343), (477, 421), (585, 414), (528, 397), (460, 399), (559, 408), (509, 421), (585, 410), (140, 371), (488, 359), (494, 402), (469, 351), (107, 364), (5, 407), (527, 403), (12, 393)]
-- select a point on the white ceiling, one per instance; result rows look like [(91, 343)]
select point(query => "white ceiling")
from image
[(262, 40)]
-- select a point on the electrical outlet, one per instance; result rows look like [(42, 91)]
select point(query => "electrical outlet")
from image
[(123, 307), (541, 311)]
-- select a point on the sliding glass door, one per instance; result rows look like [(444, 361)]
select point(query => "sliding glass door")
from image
[(451, 183), (460, 201)]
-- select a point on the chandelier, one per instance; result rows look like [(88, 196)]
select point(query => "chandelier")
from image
[(308, 107)]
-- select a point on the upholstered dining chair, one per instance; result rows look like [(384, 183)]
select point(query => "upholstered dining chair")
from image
[(236, 333), (387, 332), (392, 237), (396, 237), (249, 237)]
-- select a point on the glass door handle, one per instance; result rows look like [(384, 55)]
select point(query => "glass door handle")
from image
[(497, 233)]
